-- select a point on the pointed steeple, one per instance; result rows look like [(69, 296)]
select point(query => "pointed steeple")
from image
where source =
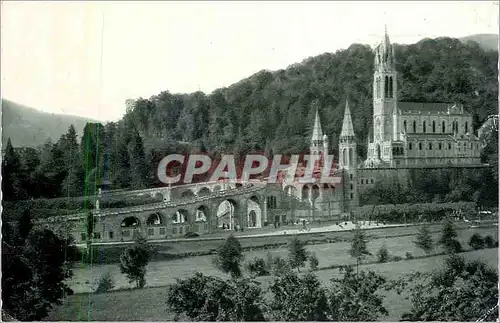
[(347, 128), (317, 133)]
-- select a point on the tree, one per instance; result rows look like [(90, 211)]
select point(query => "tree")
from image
[(476, 241), (354, 296), (424, 240), (133, 262), (12, 186), (229, 257), (383, 254), (459, 291), (297, 253), (358, 246), (313, 262), (138, 167), (448, 238), (34, 275), (205, 298), (298, 298)]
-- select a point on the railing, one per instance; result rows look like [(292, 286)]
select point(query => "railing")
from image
[(154, 206)]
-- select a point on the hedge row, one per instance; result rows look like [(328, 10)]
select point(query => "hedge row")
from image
[(427, 212)]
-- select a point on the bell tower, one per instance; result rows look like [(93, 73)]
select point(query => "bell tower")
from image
[(385, 123)]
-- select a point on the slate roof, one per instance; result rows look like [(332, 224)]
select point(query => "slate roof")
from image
[(426, 107)]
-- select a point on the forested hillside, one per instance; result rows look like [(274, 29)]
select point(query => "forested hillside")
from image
[(269, 111), (28, 127)]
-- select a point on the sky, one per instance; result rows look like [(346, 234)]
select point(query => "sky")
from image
[(88, 58)]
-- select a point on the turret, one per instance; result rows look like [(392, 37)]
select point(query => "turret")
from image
[(347, 144)]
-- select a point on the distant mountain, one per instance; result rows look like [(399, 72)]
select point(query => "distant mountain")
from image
[(486, 41), (28, 127)]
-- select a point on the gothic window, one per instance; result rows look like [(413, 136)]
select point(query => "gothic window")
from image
[(390, 87), (352, 196), (433, 126), (350, 176), (386, 87), (471, 145), (449, 146), (377, 87), (466, 127), (439, 145), (430, 146), (444, 127), (409, 146), (414, 126), (420, 146), (404, 125), (424, 127)]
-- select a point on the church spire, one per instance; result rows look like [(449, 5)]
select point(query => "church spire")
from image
[(317, 133), (347, 128)]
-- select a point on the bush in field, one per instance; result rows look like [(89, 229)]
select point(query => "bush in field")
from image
[(313, 262), (105, 283), (383, 254), (133, 262), (476, 241), (257, 267), (448, 238), (489, 242), (229, 256), (408, 255), (424, 240), (297, 253), (358, 246)]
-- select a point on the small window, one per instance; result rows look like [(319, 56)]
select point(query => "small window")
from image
[(414, 126), (352, 196), (404, 125), (424, 127), (420, 146), (111, 234), (449, 146), (430, 146), (162, 231), (97, 235), (351, 186), (151, 231), (409, 146), (350, 176), (471, 145), (362, 182), (433, 126), (174, 230), (439, 146), (126, 233), (180, 230), (84, 236), (372, 180)]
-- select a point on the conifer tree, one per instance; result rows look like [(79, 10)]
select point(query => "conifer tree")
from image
[(424, 239)]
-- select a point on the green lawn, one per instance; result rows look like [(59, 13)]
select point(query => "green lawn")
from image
[(148, 304), (161, 273)]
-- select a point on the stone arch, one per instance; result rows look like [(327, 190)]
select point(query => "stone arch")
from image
[(305, 192), (238, 185), (216, 188), (254, 212), (159, 197), (226, 215), (290, 190), (187, 194), (204, 191), (155, 219), (315, 191), (202, 219), (130, 228), (181, 216)]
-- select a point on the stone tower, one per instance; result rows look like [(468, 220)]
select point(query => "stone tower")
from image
[(319, 142), (385, 115), (348, 160)]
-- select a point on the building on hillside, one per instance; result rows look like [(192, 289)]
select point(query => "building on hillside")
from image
[(413, 134)]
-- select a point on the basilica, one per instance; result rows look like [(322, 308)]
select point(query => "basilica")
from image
[(407, 134)]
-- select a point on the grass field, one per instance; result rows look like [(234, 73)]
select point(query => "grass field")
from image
[(161, 273), (148, 304)]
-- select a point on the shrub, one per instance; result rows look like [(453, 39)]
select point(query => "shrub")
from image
[(313, 262), (191, 235), (408, 255), (476, 241), (105, 283), (280, 266), (489, 242), (383, 254), (396, 258), (257, 266)]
